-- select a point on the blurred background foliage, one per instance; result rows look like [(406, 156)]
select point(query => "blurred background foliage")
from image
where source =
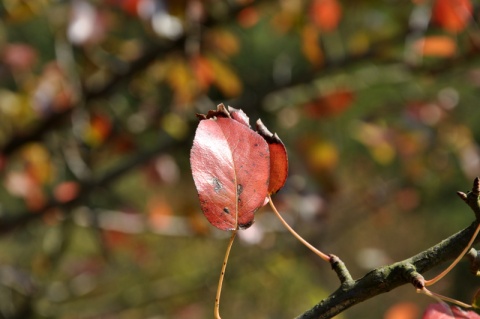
[(376, 101)]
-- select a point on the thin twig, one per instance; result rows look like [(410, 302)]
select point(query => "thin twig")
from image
[(216, 312), (455, 262), (440, 298), (297, 236)]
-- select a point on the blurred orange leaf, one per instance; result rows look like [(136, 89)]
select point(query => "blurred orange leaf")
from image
[(436, 46), (402, 310), (310, 45), (452, 15), (98, 130), (116, 239), (326, 14), (223, 41), (66, 191), (181, 80), (159, 213), (38, 163), (331, 104), (203, 71), (283, 21), (226, 80), (248, 17)]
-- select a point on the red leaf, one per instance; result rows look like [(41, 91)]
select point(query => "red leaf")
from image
[(248, 17), (203, 71), (452, 15), (19, 57), (99, 129), (330, 104), (131, 6), (66, 191), (239, 116), (326, 14), (278, 158), (443, 311), (230, 167)]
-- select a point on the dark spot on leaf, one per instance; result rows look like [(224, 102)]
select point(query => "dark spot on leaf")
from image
[(216, 185), (239, 189), (226, 210)]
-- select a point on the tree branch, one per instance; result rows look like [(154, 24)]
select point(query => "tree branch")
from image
[(152, 52), (389, 277), (17, 220)]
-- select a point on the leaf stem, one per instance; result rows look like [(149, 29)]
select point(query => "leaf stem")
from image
[(444, 298), (455, 262), (300, 238), (216, 311)]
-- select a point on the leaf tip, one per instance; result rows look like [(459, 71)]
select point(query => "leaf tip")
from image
[(221, 111), (239, 116), (271, 138)]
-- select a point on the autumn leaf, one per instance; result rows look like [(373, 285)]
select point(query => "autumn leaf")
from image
[(223, 41), (278, 158), (203, 71), (225, 79), (19, 57), (248, 17), (159, 213), (230, 167), (181, 79), (436, 46), (283, 21), (98, 130), (444, 311), (38, 163), (326, 14), (330, 104), (310, 45), (452, 15), (402, 310), (66, 191)]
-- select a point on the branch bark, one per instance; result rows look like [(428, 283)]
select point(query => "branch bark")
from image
[(387, 278)]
